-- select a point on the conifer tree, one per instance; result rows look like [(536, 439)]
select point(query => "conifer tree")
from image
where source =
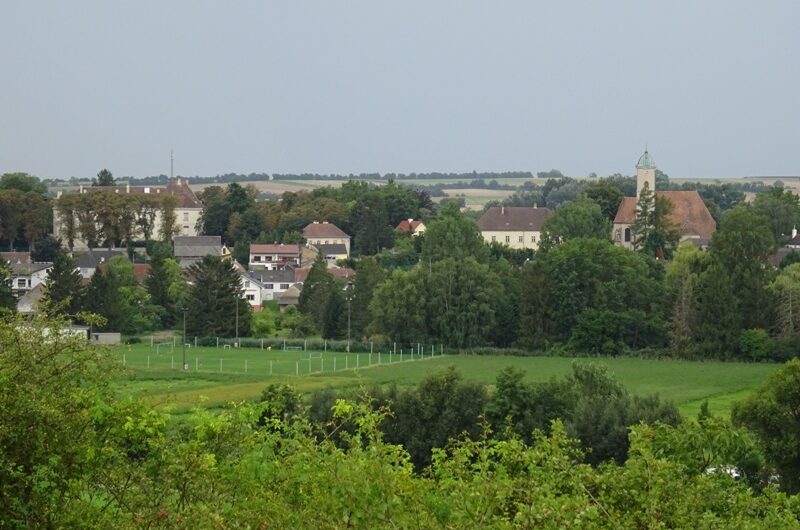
[(7, 298), (214, 300), (316, 291), (63, 288)]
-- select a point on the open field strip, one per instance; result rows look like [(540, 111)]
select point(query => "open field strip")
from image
[(687, 383)]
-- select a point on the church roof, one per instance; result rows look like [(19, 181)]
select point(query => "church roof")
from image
[(646, 161), (689, 213)]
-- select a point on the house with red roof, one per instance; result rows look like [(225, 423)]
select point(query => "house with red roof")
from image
[(414, 227), (270, 257)]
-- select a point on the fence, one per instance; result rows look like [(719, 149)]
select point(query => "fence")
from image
[(311, 344), (302, 363)]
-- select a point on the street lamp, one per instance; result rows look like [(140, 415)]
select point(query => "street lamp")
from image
[(183, 342), (349, 297), (236, 345)]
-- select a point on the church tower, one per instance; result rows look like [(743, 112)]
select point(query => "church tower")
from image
[(645, 173)]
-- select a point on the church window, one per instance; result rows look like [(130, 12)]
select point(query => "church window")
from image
[(627, 235)]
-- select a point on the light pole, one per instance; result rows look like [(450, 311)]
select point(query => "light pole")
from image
[(183, 342), (349, 297), (236, 345)]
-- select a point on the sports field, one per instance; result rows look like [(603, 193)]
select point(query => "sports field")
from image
[(218, 376)]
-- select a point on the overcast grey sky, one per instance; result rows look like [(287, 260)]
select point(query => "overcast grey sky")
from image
[(713, 87)]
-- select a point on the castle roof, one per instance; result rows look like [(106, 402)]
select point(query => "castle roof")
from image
[(514, 218)]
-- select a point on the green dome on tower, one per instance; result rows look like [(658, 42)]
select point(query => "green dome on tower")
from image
[(646, 161)]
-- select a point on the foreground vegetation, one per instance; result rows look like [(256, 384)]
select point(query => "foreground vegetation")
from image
[(72, 454)]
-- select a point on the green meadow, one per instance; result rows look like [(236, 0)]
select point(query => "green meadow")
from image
[(217, 376)]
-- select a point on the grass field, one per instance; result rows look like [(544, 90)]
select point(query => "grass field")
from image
[(218, 376)]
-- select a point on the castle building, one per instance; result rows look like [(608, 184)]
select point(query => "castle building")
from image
[(689, 212)]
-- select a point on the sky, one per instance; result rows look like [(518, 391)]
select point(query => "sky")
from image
[(712, 87)]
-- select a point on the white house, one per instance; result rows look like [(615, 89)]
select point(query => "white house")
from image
[(272, 256), (25, 273), (517, 227)]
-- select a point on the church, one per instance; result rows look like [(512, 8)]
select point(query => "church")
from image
[(689, 212)]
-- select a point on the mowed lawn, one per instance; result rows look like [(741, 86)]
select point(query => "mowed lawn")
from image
[(242, 374)]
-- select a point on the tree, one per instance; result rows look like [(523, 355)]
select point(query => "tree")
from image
[(453, 236), (718, 313), (742, 246), (214, 300), (606, 195), (396, 308), (374, 231), (115, 294), (45, 249), (771, 413), (786, 291), (23, 182), (169, 219), (316, 291), (781, 208), (459, 296), (63, 292), (104, 178), (368, 276), (578, 218), (7, 299), (653, 232), (167, 288)]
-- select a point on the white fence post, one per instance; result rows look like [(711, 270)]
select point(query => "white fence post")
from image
[(270, 368), (245, 366), (148, 362)]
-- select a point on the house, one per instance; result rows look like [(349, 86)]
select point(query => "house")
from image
[(25, 273), (331, 252), (88, 262), (289, 298), (274, 282), (271, 256), (188, 208), (325, 233), (689, 212), (28, 303), (191, 249), (344, 274), (517, 227), (411, 226)]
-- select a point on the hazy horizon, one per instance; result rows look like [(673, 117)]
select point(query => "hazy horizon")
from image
[(323, 87)]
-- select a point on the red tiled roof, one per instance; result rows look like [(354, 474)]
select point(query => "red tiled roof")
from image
[(514, 218), (689, 213), (293, 250), (408, 225), (140, 271), (323, 229), (342, 273)]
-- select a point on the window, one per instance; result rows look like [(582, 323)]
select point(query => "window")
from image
[(627, 235), (494, 238), (185, 217), (508, 239), (519, 239), (269, 286), (284, 286), (256, 258), (186, 230), (251, 297), (21, 282), (246, 284), (268, 258)]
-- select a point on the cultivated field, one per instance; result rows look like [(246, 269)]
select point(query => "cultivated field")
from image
[(218, 376)]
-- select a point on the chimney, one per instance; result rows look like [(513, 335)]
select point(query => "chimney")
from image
[(410, 220)]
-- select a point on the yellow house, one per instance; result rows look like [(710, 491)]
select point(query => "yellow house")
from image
[(517, 227), (325, 233)]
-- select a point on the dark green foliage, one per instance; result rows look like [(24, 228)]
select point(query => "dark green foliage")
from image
[(45, 249), (606, 195), (166, 286), (718, 317), (7, 299), (22, 182), (63, 288), (104, 178), (316, 291), (334, 324), (781, 208), (588, 282), (771, 413), (368, 276), (578, 218), (373, 231), (214, 300), (281, 404), (440, 408), (453, 236)]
